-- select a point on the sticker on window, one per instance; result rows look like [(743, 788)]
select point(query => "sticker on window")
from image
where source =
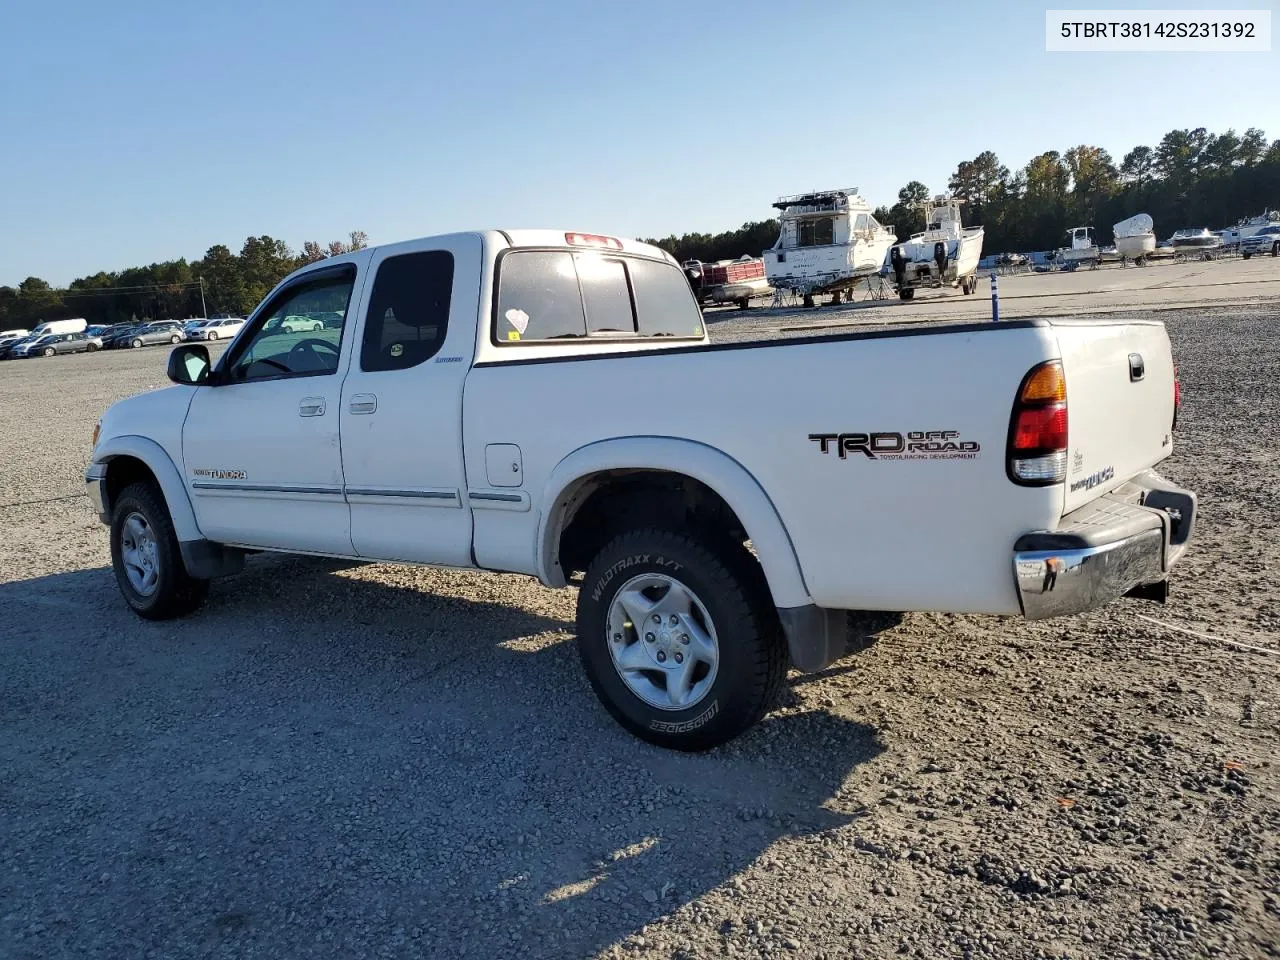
[(518, 319)]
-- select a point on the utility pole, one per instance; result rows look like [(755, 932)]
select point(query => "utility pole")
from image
[(204, 311)]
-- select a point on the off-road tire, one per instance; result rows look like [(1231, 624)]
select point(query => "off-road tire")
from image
[(177, 593), (752, 650)]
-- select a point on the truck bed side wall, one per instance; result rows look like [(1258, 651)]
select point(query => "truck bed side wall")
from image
[(882, 533)]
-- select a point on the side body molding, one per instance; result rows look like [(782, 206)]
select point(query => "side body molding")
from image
[(726, 476)]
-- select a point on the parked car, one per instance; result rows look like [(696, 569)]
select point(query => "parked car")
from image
[(159, 331), (32, 345), (62, 343), (916, 467), (9, 348), (191, 323), (223, 329), (1266, 240), (13, 334), (301, 324)]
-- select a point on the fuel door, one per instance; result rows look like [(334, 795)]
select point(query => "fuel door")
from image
[(503, 466)]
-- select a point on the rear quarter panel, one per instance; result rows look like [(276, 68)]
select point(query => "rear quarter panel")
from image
[(883, 533)]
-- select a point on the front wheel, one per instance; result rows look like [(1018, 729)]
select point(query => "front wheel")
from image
[(146, 559), (135, 344), (175, 339), (907, 293), (213, 335), (1246, 256), (678, 638)]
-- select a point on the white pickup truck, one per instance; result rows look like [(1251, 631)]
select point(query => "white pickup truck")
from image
[(550, 404)]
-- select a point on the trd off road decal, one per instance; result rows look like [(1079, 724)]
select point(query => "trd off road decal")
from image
[(205, 474), (891, 445)]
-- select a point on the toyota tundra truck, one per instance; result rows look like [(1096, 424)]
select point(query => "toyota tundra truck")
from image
[(550, 404)]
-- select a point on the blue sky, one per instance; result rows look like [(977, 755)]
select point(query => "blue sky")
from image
[(143, 131)]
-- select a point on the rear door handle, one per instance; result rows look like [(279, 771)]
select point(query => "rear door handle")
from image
[(363, 403), (311, 407)]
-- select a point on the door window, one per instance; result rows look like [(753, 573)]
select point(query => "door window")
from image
[(274, 349), (408, 311)]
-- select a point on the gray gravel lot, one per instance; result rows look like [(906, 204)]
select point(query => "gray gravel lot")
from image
[(334, 760)]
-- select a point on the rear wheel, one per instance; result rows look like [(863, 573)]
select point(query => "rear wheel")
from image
[(907, 293), (678, 638), (1246, 256), (146, 558), (90, 348), (175, 339)]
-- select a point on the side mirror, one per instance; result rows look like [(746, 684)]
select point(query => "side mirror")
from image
[(189, 364)]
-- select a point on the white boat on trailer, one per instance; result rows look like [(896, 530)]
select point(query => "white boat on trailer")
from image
[(1083, 248), (828, 242), (945, 253), (1136, 238)]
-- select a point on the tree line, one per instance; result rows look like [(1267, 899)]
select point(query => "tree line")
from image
[(230, 283), (1191, 178)]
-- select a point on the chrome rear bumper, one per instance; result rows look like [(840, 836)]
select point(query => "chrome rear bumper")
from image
[(1122, 542)]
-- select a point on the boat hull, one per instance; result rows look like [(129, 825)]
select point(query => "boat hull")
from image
[(825, 269), (1136, 246)]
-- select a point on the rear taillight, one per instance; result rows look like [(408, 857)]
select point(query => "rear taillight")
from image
[(1177, 397), (1037, 454)]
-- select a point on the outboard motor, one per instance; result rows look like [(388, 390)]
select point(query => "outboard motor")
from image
[(940, 257), (899, 263)]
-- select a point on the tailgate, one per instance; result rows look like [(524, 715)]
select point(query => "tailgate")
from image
[(1119, 402)]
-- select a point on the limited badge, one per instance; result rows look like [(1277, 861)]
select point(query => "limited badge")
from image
[(396, 349)]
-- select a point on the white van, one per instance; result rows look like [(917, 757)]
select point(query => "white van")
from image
[(11, 334), (61, 326)]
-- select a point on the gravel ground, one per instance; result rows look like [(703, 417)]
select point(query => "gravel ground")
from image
[(336, 760)]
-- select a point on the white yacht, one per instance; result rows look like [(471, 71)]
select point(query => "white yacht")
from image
[(945, 252), (828, 242)]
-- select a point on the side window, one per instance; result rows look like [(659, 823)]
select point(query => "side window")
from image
[(539, 298), (275, 349), (408, 311), (664, 301)]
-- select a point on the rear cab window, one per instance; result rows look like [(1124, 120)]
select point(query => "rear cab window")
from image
[(563, 294)]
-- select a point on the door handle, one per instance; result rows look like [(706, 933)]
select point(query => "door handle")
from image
[(311, 407), (362, 403)]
